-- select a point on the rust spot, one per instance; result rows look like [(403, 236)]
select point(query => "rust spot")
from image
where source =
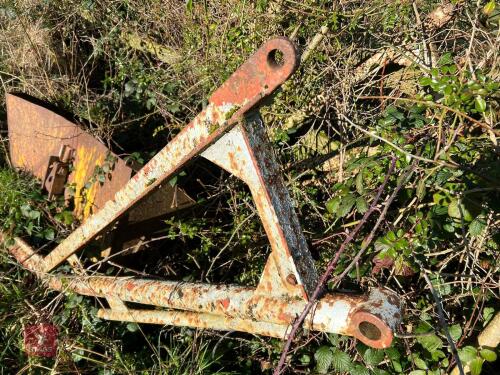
[(393, 299), (225, 302), (291, 279), (285, 318)]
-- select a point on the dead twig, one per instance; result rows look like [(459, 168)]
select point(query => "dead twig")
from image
[(444, 324), (329, 269), (366, 243)]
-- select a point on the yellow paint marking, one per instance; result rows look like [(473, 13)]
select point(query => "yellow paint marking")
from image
[(85, 163)]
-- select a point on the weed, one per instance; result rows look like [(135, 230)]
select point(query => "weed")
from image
[(413, 83)]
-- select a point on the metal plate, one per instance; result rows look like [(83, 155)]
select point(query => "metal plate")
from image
[(36, 134)]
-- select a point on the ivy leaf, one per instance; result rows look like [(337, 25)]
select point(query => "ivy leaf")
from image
[(323, 357), (488, 355), (34, 214), (475, 366), (480, 104), (173, 181)]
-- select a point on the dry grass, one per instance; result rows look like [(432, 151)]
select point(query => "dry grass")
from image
[(135, 73)]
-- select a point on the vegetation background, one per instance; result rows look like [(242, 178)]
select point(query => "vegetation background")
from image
[(417, 81)]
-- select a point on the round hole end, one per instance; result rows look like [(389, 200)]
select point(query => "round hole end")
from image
[(369, 330), (275, 58)]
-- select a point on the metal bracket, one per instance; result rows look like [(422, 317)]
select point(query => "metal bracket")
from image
[(57, 173), (230, 133)]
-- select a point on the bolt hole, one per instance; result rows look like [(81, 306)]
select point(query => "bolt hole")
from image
[(291, 279), (370, 330), (276, 58)]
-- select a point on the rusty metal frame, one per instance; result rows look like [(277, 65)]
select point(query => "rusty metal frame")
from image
[(230, 133)]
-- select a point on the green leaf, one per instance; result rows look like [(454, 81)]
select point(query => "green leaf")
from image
[(373, 356), (418, 372), (359, 370), (438, 283), (173, 181), (261, 5), (305, 359), (488, 313), (476, 366), (489, 7), (35, 215), (361, 205), (457, 210), (393, 353), (467, 354), (455, 332), (446, 59), (340, 360), (430, 343), (189, 5), (360, 187), (420, 363), (437, 355), (397, 366), (333, 205), (421, 189), (346, 204), (49, 234), (488, 355), (132, 327), (323, 357), (480, 104), (425, 81), (476, 227)]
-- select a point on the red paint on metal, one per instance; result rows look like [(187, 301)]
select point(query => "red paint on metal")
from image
[(225, 303), (40, 340), (289, 275)]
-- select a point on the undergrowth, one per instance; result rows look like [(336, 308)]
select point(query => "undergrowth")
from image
[(388, 80)]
